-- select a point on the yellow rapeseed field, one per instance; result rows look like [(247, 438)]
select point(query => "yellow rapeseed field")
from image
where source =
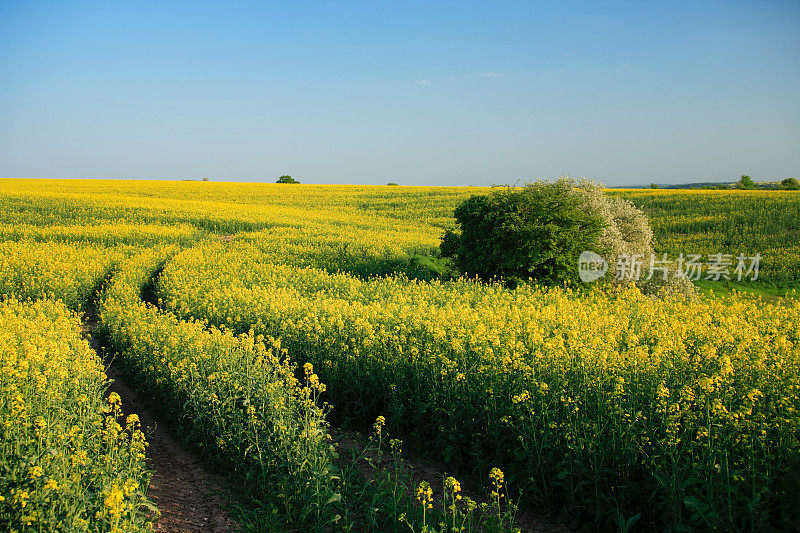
[(581, 392), (671, 411), (66, 461)]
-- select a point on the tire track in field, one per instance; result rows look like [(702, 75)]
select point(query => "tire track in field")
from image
[(187, 496)]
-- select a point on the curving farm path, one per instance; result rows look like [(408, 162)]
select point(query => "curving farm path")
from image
[(189, 497)]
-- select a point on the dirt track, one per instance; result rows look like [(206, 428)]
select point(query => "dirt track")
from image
[(184, 492), (188, 498)]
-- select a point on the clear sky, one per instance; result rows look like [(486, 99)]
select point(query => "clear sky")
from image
[(440, 93)]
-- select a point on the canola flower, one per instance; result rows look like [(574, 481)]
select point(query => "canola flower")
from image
[(378, 426), (61, 449), (237, 396), (694, 403), (452, 485), (61, 271), (581, 390), (425, 494)]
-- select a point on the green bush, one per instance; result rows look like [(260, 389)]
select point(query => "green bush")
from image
[(746, 182), (286, 179), (535, 232), (540, 230), (791, 184)]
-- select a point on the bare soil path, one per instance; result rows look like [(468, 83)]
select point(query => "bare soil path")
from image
[(189, 497)]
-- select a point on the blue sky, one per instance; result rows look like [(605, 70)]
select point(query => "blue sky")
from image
[(439, 93)]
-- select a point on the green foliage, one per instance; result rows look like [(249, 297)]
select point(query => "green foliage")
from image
[(790, 184), (415, 266), (536, 232), (427, 268), (746, 182), (391, 183), (286, 179), (730, 222)]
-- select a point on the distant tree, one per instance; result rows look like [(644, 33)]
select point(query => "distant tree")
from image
[(790, 184), (391, 183), (654, 186), (286, 179), (745, 182), (205, 179)]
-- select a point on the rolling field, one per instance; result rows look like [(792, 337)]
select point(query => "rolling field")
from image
[(709, 222), (261, 316)]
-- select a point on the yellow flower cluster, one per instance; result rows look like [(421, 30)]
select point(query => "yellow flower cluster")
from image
[(62, 453), (425, 494), (239, 394), (615, 378), (66, 272), (695, 403), (452, 486)]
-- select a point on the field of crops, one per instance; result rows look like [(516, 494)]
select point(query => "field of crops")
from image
[(242, 309), (709, 222), (67, 463)]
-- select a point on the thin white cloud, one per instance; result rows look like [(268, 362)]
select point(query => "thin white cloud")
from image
[(485, 75), (422, 82)]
